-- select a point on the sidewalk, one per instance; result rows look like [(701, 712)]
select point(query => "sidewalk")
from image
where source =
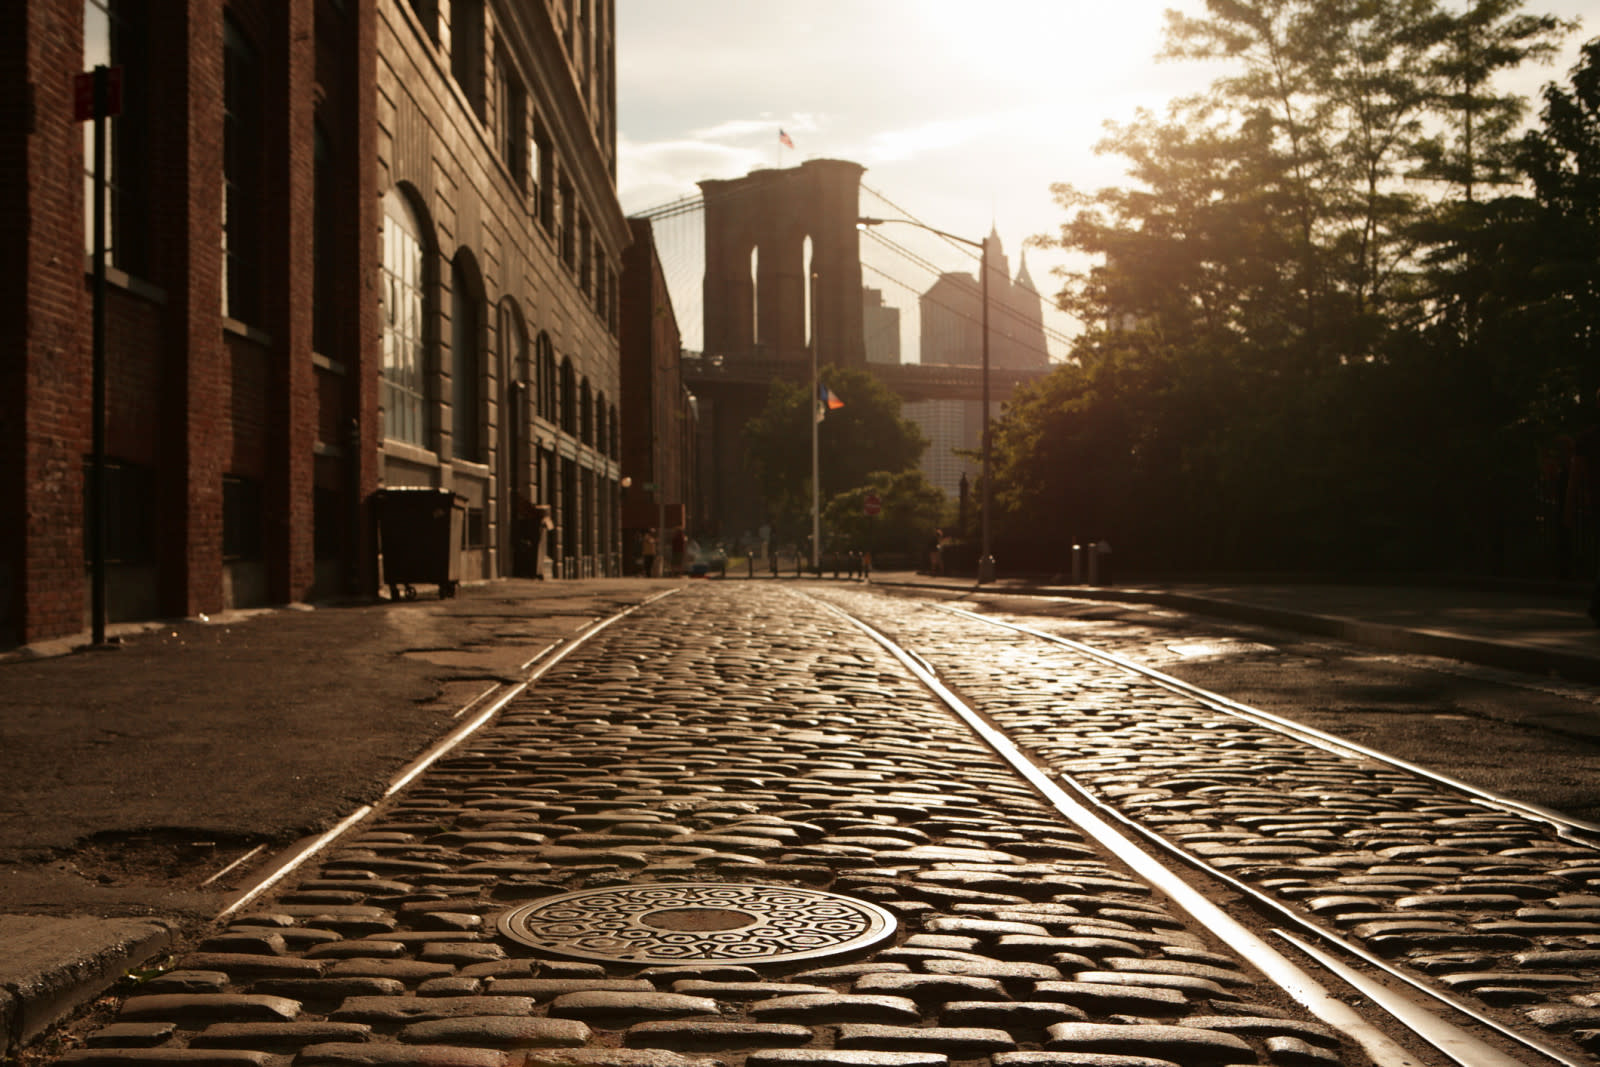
[(130, 777)]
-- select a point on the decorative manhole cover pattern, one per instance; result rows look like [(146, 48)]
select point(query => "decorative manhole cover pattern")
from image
[(691, 922)]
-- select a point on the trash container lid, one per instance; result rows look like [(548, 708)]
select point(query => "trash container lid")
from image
[(417, 490)]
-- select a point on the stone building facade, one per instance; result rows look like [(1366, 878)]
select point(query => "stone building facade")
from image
[(351, 244), (499, 291)]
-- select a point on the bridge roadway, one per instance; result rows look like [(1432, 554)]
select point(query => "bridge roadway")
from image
[(729, 735)]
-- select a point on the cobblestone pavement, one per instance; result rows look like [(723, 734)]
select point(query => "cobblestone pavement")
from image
[(720, 737), (1489, 905)]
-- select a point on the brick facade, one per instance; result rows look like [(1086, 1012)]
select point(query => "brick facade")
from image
[(244, 307)]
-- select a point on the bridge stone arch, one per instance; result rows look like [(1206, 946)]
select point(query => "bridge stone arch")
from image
[(773, 212)]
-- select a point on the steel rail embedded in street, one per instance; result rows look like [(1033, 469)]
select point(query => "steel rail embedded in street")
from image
[(1433, 1028), (1565, 825), (546, 659)]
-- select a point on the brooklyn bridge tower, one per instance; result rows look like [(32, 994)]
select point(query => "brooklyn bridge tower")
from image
[(756, 293)]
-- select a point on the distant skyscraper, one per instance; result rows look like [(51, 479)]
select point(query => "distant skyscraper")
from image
[(881, 326), (952, 317)]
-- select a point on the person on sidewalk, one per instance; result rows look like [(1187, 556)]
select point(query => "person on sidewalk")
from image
[(647, 549)]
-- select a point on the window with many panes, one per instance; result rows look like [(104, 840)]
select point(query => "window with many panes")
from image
[(405, 316), (325, 303), (114, 35), (241, 176)]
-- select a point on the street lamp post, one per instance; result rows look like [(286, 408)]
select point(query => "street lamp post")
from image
[(985, 555)]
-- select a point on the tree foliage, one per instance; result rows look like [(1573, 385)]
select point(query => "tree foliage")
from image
[(911, 509), (1309, 308), (866, 435)]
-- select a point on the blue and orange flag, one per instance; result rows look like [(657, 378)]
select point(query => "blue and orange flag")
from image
[(826, 401)]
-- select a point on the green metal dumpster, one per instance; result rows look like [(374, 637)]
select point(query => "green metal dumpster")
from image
[(419, 536)]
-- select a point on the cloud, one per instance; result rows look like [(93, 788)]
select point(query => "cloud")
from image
[(655, 172)]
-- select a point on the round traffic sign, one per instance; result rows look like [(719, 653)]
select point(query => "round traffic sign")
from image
[(872, 505)]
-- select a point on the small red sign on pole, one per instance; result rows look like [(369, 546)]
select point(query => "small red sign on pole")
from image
[(83, 93), (872, 505)]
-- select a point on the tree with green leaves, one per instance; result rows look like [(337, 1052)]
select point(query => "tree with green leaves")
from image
[(1276, 368), (864, 436), (1478, 145), (910, 509)]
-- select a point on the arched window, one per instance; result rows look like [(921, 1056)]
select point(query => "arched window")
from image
[(407, 369), (616, 435), (466, 359), (600, 432)]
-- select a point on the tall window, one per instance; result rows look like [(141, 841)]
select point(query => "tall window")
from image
[(405, 307), (466, 356), (511, 113), (569, 399), (427, 12), (324, 293), (585, 259), (467, 50), (545, 175), (241, 176), (585, 413), (569, 234), (545, 404), (114, 35)]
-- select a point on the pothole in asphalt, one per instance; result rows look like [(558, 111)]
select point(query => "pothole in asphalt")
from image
[(175, 857), (647, 923)]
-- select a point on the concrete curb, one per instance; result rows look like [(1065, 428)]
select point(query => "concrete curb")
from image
[(50, 967)]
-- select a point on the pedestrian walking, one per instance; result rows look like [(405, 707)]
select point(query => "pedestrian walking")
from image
[(647, 549)]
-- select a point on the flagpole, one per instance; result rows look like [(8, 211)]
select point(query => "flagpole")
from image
[(816, 400)]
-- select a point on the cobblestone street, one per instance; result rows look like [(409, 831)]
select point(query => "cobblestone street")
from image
[(731, 828)]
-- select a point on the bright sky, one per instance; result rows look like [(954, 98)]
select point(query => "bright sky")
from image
[(963, 113)]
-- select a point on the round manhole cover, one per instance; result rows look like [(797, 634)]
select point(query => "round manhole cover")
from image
[(693, 922)]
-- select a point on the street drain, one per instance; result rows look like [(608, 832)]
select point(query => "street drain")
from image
[(694, 921)]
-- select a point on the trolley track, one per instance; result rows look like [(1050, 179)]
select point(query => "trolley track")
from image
[(1524, 962), (702, 743)]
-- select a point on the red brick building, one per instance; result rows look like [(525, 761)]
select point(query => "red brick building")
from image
[(351, 243), (659, 426)]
